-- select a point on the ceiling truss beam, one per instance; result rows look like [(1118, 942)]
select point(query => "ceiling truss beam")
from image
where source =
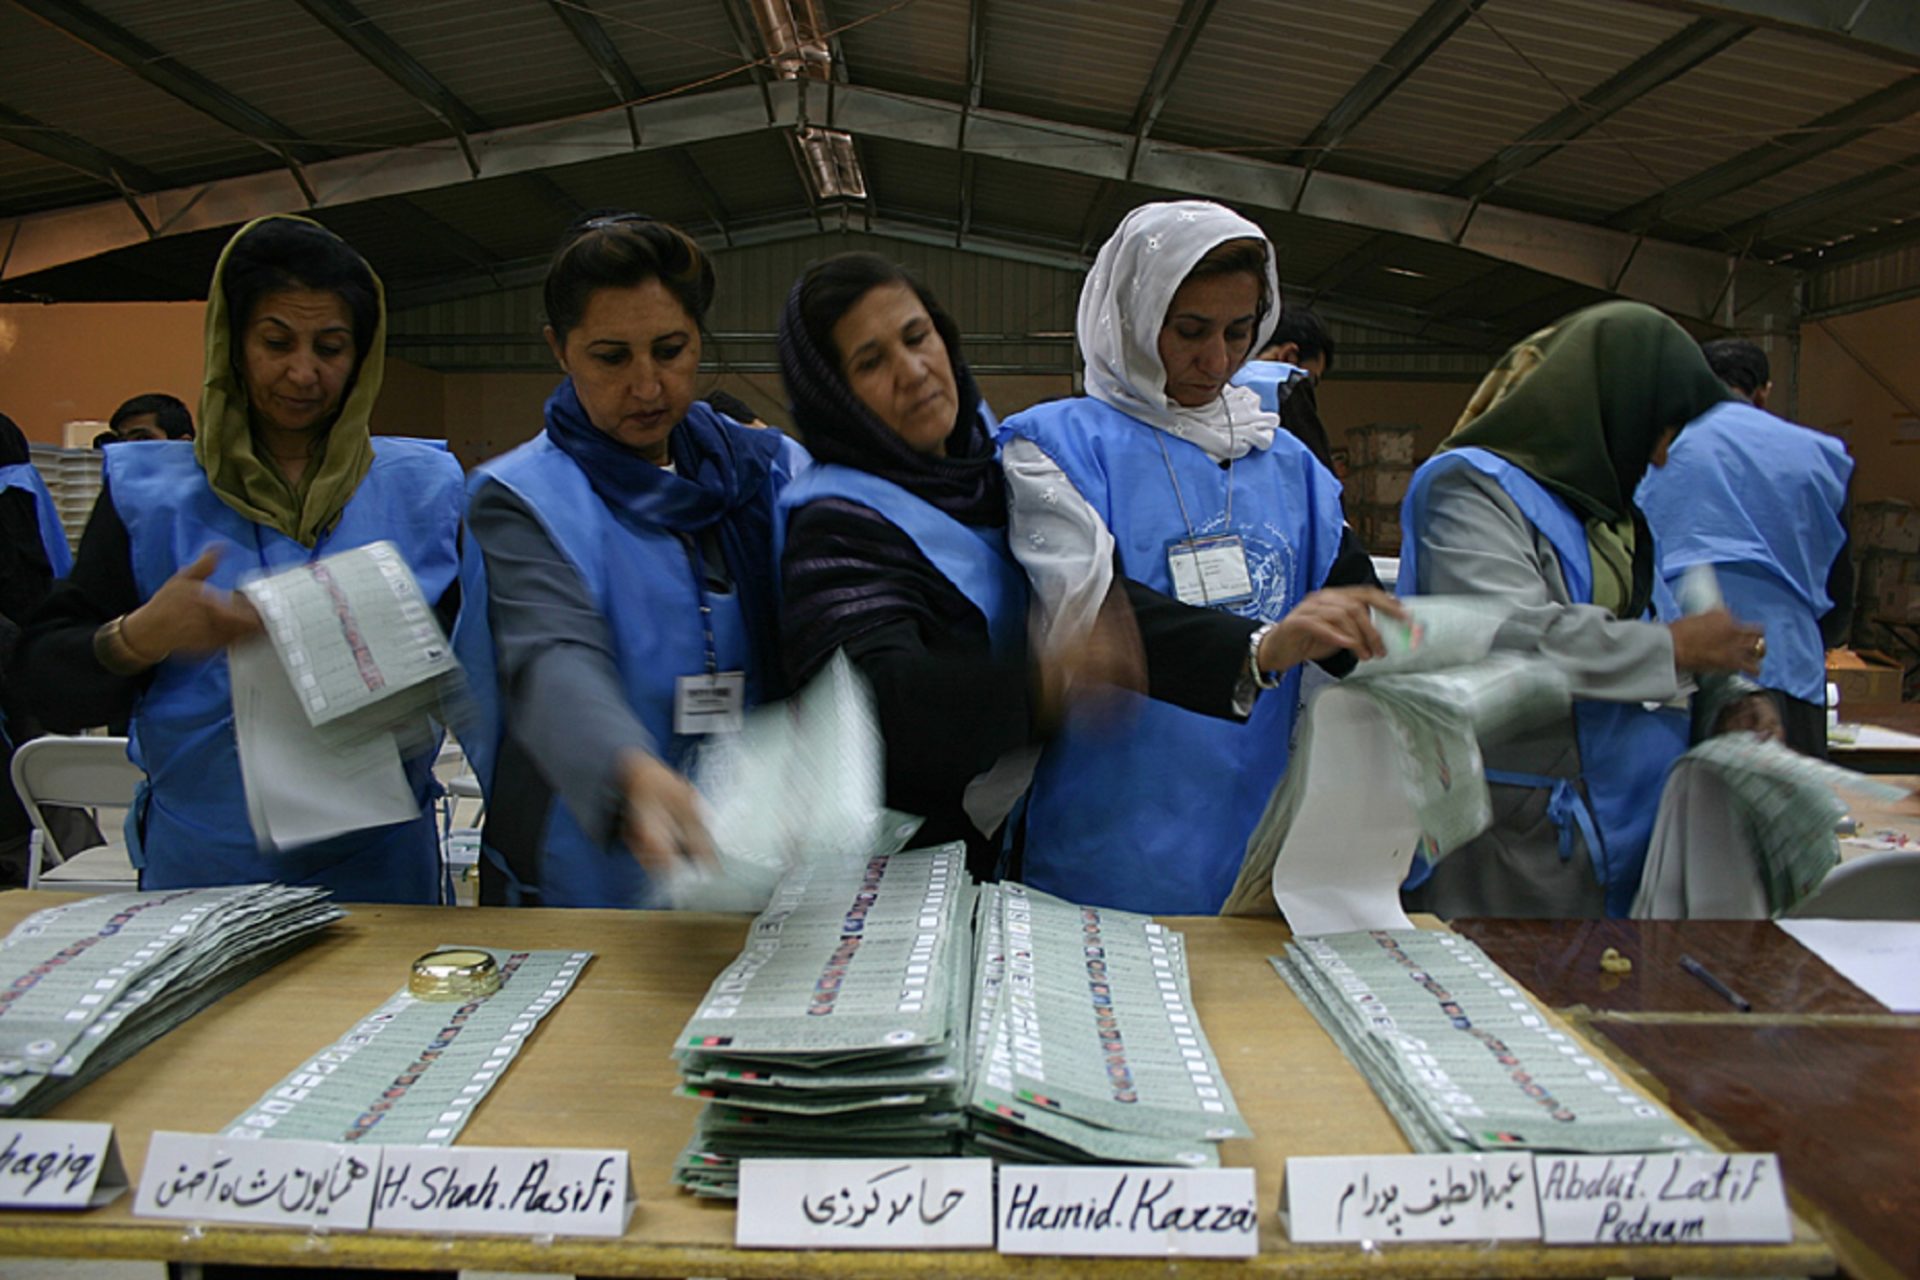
[(172, 77), (1831, 131), (1882, 28), (359, 33), (1681, 278), (29, 134), (1895, 179), (1665, 62), (1416, 44)]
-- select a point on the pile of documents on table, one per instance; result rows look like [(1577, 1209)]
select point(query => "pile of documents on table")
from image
[(1461, 1055), (840, 1029), (899, 1010), (1086, 1046), (85, 985)]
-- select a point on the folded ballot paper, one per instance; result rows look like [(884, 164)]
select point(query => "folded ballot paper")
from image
[(1461, 1055), (1388, 766), (1746, 821), (800, 785), (897, 1009), (92, 981), (351, 667)]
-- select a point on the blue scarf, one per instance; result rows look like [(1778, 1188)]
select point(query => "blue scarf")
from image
[(719, 483)]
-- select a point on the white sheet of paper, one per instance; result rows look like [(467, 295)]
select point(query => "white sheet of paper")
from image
[(1353, 839), (1881, 957), (59, 1164), (1871, 737), (508, 1191), (1662, 1199), (1128, 1211), (300, 788)]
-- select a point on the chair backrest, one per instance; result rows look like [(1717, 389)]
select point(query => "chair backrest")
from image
[(85, 772), (1875, 886)]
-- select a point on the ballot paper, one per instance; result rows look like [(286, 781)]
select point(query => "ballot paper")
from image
[(1461, 1055), (841, 1027), (897, 1010), (350, 664), (801, 784), (1388, 768), (1782, 811), (1091, 1051), (414, 1071), (90, 982)]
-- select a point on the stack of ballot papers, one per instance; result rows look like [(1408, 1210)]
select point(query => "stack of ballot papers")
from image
[(350, 668), (840, 1030), (1086, 1046), (900, 1010), (85, 985), (1461, 1055)]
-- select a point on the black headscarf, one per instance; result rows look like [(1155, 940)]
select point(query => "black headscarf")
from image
[(836, 427), (848, 571)]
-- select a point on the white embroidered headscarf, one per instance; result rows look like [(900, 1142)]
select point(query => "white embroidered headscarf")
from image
[(1124, 303)]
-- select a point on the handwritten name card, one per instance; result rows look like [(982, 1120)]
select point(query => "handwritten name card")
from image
[(1662, 1199), (1122, 1211), (865, 1204), (200, 1178), (503, 1191), (1383, 1199), (58, 1164)]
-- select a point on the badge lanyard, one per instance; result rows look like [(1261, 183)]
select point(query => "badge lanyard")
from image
[(1212, 570), (716, 701)]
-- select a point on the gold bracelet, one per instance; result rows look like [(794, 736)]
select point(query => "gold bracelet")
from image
[(115, 654)]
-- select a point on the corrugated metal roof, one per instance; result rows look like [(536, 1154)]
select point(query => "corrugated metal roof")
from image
[(1260, 78), (1081, 61)]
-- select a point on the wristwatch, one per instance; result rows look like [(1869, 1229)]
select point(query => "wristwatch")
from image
[(1261, 679)]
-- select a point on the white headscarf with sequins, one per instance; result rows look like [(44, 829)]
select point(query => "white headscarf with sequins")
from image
[(1124, 303)]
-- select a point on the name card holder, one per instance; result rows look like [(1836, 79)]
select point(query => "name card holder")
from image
[(203, 1178), (518, 1191), (59, 1164), (865, 1204), (1662, 1199), (1386, 1199), (1128, 1211)]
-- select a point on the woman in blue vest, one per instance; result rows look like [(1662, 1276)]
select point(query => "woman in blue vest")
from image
[(1530, 500), (283, 471), (1168, 474), (620, 582)]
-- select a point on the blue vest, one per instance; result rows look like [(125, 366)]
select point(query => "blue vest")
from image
[(1759, 499), (975, 560), (648, 587), (53, 538), (1265, 378), (191, 826), (1155, 816), (1625, 750)]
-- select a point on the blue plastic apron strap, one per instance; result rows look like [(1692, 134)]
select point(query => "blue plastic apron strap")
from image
[(1566, 810), (518, 892)]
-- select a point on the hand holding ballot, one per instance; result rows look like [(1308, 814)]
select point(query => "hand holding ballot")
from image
[(188, 616)]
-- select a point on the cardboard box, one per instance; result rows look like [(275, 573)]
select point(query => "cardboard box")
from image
[(1886, 526), (1383, 484), (1889, 584), (1381, 443), (1866, 675)]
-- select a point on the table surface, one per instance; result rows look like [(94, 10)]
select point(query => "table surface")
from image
[(1559, 961), (1903, 717), (1819, 1071), (609, 1042)]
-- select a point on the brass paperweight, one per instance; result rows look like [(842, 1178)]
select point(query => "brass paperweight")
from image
[(458, 974)]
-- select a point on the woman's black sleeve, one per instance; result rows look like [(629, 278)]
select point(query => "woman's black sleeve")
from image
[(65, 686)]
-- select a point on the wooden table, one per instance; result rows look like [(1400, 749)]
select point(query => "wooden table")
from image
[(598, 1074), (1819, 1072), (1901, 717)]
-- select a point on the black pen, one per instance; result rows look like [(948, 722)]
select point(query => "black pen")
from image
[(1720, 988)]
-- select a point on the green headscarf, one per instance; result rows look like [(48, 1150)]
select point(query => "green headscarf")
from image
[(225, 446), (1579, 406)]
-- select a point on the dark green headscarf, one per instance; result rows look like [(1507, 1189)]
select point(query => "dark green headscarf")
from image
[(1579, 406)]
